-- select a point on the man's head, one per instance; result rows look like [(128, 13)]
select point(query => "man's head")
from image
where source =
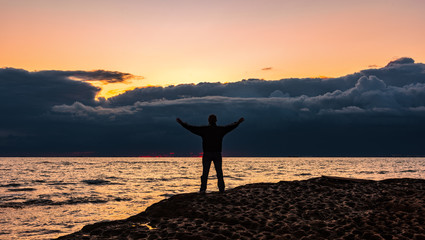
[(212, 119)]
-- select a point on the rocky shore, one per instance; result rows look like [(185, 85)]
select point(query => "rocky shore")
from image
[(318, 208)]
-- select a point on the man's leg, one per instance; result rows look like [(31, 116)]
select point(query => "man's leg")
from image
[(206, 163), (218, 168)]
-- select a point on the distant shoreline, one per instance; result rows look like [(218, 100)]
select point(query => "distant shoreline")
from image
[(224, 156), (317, 208)]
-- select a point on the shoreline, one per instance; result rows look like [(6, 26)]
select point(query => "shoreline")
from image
[(318, 208)]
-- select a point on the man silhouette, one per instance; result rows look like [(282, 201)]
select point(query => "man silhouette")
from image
[(212, 138)]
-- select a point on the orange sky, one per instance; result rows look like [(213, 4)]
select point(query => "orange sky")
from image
[(190, 41)]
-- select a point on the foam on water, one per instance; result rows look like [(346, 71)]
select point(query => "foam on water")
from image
[(43, 198)]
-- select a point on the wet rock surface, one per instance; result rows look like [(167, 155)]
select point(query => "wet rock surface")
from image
[(318, 208)]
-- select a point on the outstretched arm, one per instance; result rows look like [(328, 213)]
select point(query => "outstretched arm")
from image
[(193, 129), (234, 125)]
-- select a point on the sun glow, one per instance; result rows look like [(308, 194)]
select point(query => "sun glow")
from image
[(108, 90)]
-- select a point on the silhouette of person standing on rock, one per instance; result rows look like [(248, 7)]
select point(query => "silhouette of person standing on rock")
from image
[(212, 138)]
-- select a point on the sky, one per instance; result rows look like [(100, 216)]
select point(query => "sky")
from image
[(311, 78), (171, 42)]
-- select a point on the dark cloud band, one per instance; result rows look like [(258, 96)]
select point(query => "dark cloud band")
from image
[(375, 112)]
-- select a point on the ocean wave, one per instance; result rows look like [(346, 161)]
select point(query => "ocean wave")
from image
[(408, 171), (21, 189), (12, 197), (11, 185), (70, 201), (303, 174), (152, 162), (43, 162), (234, 178), (41, 231), (61, 183), (163, 179), (3, 232), (167, 195), (99, 182), (113, 177), (38, 181), (124, 162)]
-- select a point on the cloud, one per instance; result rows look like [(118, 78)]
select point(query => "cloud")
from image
[(252, 88), (373, 66), (398, 75), (96, 75), (404, 60), (267, 68), (368, 93), (31, 93), (373, 112), (81, 110)]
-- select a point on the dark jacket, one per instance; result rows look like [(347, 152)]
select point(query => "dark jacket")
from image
[(212, 135)]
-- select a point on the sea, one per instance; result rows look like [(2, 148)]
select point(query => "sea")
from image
[(44, 198)]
